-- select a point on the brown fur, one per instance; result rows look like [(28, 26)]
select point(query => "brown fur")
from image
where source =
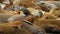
[(19, 17), (2, 1), (48, 15), (50, 22), (9, 13), (55, 11), (8, 28), (28, 3)]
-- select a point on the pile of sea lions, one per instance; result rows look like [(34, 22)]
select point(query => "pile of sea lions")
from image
[(29, 17)]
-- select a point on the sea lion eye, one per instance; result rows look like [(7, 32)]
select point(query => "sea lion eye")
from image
[(18, 12), (46, 18), (15, 27), (57, 9), (58, 15), (42, 3)]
